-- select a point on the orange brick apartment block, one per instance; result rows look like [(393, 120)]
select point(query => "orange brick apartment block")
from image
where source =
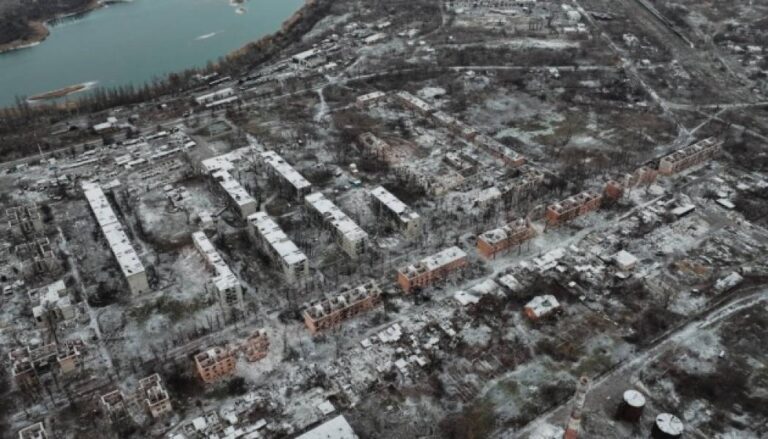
[(573, 207), (256, 347), (329, 313), (613, 190), (215, 363), (431, 269), (691, 155), (492, 242)]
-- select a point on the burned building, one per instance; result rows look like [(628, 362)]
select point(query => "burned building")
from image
[(243, 202), (495, 241), (398, 213), (689, 156), (382, 150), (350, 237), (224, 285), (24, 220), (331, 312), (431, 269), (154, 395), (51, 304), (573, 207), (215, 363), (256, 346), (288, 175), (28, 364), (34, 431), (271, 239), (36, 257)]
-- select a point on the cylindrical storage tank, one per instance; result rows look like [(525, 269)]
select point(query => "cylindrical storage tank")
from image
[(667, 426), (632, 405)]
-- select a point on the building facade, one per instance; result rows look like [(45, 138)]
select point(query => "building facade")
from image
[(271, 239), (689, 156), (224, 285), (348, 235), (215, 363), (495, 241), (431, 269), (331, 312), (396, 212), (573, 207)]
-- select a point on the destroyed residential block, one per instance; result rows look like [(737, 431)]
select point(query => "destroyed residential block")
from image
[(573, 207), (256, 346), (350, 237), (431, 269), (24, 220), (224, 285), (689, 156), (155, 396), (495, 241), (289, 176), (331, 312), (397, 212), (215, 363), (271, 239)]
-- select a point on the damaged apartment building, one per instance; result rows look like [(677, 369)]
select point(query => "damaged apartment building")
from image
[(396, 212), (36, 257), (431, 269), (573, 207), (348, 235), (223, 285), (51, 304), (331, 312), (30, 363), (271, 239), (289, 177), (150, 397), (129, 262), (219, 362), (495, 241)]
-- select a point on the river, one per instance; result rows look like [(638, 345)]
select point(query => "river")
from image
[(131, 43)]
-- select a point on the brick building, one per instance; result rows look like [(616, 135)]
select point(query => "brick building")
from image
[(431, 269), (613, 190), (573, 207), (331, 312), (256, 346), (29, 364), (492, 242), (215, 363), (689, 156)]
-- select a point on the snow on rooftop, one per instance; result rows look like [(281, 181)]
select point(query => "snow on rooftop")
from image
[(224, 277), (394, 204), (445, 257), (336, 428), (234, 189), (287, 171), (337, 218), (225, 162), (118, 241), (277, 239), (542, 305)]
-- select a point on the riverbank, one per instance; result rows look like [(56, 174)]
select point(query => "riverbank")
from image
[(40, 29)]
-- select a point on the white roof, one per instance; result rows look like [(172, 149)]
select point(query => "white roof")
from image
[(215, 95), (338, 219), (277, 239), (464, 298), (371, 96), (118, 241), (634, 398), (625, 258), (445, 257), (305, 55), (287, 171), (225, 161), (236, 192), (336, 428), (669, 424), (413, 100), (541, 305), (394, 204), (224, 277)]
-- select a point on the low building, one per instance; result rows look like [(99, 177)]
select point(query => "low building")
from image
[(215, 363), (336, 428), (309, 58), (24, 220), (291, 178), (256, 346), (495, 241), (350, 237), (217, 95), (51, 304), (397, 212), (114, 404), (331, 312), (238, 196), (625, 260), (689, 156), (573, 207), (431, 269), (271, 239), (541, 306), (412, 102), (34, 431), (368, 99), (155, 397), (224, 285), (499, 150), (130, 265)]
